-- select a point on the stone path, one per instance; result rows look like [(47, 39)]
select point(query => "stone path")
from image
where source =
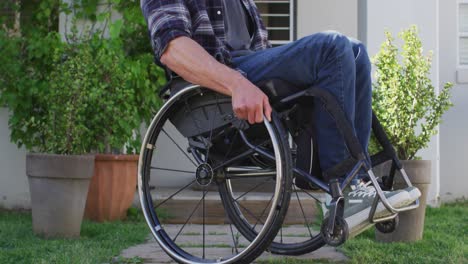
[(220, 240)]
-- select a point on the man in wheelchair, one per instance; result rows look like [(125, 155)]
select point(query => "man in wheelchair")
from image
[(222, 45)]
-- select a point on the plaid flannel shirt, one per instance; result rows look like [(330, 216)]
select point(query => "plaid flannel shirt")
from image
[(200, 20)]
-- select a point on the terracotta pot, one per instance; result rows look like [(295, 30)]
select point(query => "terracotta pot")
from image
[(411, 224), (112, 187), (58, 185)]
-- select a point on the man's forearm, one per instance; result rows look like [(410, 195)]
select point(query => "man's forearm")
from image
[(188, 59)]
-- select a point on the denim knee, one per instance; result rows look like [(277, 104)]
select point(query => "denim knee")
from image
[(334, 39), (360, 54), (330, 44)]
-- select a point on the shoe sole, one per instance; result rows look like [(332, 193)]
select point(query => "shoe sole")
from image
[(414, 193), (359, 222)]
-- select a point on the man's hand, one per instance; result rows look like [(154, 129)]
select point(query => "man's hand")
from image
[(250, 103), (187, 58)]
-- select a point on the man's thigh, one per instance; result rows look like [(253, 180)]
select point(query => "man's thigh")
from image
[(298, 62), (275, 63)]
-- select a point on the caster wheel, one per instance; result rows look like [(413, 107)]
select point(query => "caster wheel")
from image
[(388, 226), (340, 232)]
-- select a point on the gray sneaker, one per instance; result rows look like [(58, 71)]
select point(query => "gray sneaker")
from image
[(359, 201)]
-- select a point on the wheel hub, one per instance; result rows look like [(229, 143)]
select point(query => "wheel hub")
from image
[(204, 174)]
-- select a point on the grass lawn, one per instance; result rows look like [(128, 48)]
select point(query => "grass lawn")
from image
[(445, 241), (99, 243)]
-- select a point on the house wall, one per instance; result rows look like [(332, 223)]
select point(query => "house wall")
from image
[(14, 188), (84, 26), (367, 20), (395, 16), (318, 15), (454, 129), (355, 18)]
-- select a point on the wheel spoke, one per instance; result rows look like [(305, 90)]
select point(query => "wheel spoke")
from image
[(203, 213), (234, 159), (302, 210), (312, 196), (190, 216), (250, 213), (185, 154), (174, 194), (165, 169), (233, 239), (252, 150), (251, 189), (263, 212)]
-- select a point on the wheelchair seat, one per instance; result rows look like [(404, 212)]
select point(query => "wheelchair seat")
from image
[(299, 122), (275, 89)]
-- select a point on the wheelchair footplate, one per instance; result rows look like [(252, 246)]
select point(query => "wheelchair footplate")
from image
[(337, 228)]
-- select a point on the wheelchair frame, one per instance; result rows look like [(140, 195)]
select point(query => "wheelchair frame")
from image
[(352, 166), (334, 188), (355, 149)]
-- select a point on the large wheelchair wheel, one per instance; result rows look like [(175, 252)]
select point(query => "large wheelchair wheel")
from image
[(300, 232), (194, 152)]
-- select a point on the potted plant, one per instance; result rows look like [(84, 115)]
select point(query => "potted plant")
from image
[(128, 83), (81, 97), (408, 107), (111, 120), (58, 167)]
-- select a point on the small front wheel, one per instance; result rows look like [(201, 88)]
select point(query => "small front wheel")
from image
[(388, 226), (340, 232)]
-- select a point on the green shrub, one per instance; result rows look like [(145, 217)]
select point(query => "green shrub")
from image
[(404, 98), (84, 95)]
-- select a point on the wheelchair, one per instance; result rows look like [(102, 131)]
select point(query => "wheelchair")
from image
[(241, 179)]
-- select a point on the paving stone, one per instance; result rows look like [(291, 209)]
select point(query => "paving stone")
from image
[(222, 244)]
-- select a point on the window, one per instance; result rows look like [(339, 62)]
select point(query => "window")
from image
[(463, 33), (278, 16), (14, 13), (8, 16)]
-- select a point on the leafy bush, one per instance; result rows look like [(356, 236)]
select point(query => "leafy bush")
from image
[(87, 94), (404, 99)]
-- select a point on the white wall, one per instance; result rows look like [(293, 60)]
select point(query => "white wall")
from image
[(396, 15), (454, 129), (84, 26), (14, 188), (319, 15)]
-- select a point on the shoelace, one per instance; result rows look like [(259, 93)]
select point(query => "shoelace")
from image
[(363, 190)]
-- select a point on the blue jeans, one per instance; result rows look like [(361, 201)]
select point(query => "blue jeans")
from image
[(333, 62)]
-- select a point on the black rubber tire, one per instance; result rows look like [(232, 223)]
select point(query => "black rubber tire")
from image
[(291, 249), (284, 192), (341, 227), (388, 226)]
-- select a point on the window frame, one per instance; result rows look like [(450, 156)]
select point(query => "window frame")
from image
[(292, 20), (460, 34)]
